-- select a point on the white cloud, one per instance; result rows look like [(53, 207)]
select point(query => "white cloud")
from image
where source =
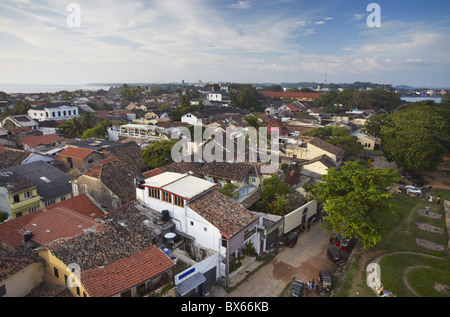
[(241, 5), (414, 60)]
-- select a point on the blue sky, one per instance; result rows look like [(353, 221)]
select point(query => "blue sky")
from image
[(232, 41)]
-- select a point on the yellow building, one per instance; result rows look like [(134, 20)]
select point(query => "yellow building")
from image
[(308, 148), (18, 196)]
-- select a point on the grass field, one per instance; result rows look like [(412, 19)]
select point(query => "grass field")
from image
[(404, 262)]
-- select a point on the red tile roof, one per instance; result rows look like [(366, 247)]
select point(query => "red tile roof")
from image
[(126, 272), (35, 140), (57, 223), (10, 231), (223, 212), (153, 172), (81, 204), (74, 152)]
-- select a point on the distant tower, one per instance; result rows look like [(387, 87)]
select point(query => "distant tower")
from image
[(325, 82)]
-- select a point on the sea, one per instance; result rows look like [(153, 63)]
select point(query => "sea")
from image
[(31, 89), (416, 99)]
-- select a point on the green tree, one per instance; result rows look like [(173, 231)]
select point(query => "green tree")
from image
[(229, 190), (100, 131), (247, 97), (357, 203), (158, 154), (89, 120), (73, 128), (416, 136), (278, 198), (252, 121)]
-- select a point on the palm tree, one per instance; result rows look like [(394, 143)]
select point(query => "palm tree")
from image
[(72, 128)]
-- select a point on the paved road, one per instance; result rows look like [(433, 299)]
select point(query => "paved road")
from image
[(303, 262)]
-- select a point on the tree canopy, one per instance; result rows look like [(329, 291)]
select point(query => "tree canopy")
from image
[(75, 127), (246, 97), (348, 99), (158, 154), (278, 198), (415, 137), (356, 201)]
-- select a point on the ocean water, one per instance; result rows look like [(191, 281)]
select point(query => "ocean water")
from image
[(416, 99), (29, 89)]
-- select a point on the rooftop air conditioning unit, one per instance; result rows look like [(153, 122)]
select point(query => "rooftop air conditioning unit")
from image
[(165, 215)]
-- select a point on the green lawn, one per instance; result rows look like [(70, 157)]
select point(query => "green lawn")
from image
[(401, 237)]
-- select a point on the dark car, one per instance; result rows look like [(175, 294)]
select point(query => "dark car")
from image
[(325, 279), (334, 254), (298, 289), (291, 239)]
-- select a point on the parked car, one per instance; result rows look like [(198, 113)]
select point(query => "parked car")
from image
[(291, 239), (325, 279), (413, 190), (334, 254), (298, 289)]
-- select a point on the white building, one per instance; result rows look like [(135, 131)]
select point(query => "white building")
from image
[(54, 111), (198, 210)]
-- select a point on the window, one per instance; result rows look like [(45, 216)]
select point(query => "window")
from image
[(59, 113), (192, 223), (28, 194), (16, 198), (2, 290), (32, 209), (154, 193), (66, 280), (53, 114), (78, 290), (50, 202), (55, 272), (178, 201), (166, 197)]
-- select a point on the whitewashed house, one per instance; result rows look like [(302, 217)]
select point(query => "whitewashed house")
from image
[(54, 111), (198, 210)]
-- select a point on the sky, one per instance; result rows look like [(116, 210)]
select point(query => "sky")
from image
[(244, 41)]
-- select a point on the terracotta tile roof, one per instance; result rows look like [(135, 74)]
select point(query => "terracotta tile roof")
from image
[(81, 204), (120, 256), (118, 176), (59, 222), (13, 262), (183, 168), (292, 178), (223, 212), (153, 172), (126, 272), (10, 231), (35, 140), (12, 157), (74, 152), (234, 171), (324, 145)]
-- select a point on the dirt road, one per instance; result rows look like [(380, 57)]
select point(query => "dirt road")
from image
[(303, 262)]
